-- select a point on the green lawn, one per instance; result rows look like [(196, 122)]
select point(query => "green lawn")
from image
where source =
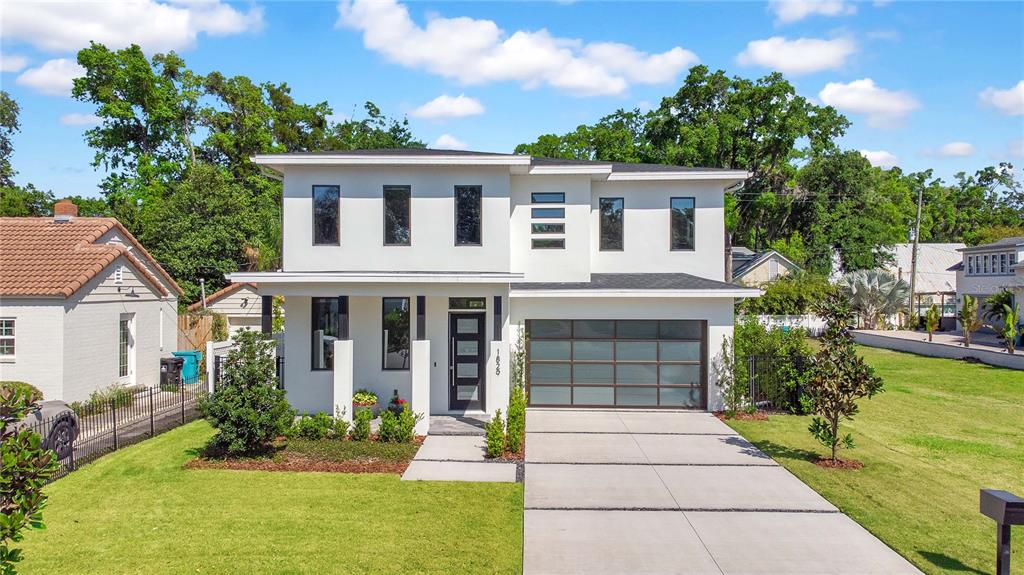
[(942, 430), (138, 511)]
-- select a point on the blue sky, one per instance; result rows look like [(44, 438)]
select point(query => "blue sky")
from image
[(927, 84)]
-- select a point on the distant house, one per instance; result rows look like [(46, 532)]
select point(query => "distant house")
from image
[(989, 269), (754, 269), (935, 282), (82, 305), (240, 305)]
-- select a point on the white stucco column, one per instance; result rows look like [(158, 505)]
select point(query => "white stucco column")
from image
[(342, 379), (497, 377), (210, 363), (420, 400)]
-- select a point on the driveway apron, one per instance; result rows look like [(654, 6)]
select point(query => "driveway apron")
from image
[(610, 492)]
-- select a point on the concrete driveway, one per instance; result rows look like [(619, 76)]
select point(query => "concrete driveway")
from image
[(676, 492)]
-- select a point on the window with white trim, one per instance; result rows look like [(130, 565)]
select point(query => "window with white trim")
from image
[(125, 346), (1002, 263), (7, 337)]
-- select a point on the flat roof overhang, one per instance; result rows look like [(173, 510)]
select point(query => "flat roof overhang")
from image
[(457, 277), (612, 293)]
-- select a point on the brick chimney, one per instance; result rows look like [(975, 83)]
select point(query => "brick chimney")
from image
[(64, 210)]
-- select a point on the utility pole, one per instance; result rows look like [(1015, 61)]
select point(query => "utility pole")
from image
[(913, 257)]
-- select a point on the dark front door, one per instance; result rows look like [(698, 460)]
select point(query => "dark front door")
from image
[(466, 361)]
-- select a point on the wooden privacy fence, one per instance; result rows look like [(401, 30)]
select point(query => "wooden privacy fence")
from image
[(194, 331)]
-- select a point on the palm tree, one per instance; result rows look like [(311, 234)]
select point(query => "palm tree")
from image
[(874, 294), (968, 317), (932, 320), (997, 304), (1011, 315)]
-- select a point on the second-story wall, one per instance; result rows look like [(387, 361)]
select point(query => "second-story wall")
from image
[(571, 264), (362, 220)]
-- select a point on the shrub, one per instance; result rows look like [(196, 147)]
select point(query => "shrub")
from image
[(247, 408), (795, 294), (364, 398), (361, 425), (734, 396), (494, 432), (968, 318), (932, 319), (388, 430), (788, 348), (219, 327), (32, 391), (25, 467), (116, 395), (516, 424), (397, 428), (407, 421), (313, 427), (340, 425), (838, 377)]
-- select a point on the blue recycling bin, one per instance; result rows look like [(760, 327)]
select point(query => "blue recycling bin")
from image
[(189, 371)]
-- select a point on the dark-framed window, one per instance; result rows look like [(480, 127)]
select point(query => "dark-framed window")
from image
[(548, 243), (326, 215), (683, 234), (467, 303), (395, 333), (469, 215), (548, 228), (397, 215), (547, 212), (325, 330), (547, 198), (610, 229)]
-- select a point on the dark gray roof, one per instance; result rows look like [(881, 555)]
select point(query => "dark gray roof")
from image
[(398, 152), (640, 281), (622, 166), (1003, 243)]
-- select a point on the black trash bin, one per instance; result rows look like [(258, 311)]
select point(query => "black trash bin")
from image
[(170, 373)]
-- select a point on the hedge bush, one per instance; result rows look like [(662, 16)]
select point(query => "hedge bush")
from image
[(33, 391)]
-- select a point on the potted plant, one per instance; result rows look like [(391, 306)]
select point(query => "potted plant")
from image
[(397, 404), (365, 399)]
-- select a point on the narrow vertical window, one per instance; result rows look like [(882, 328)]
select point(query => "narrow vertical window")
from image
[(1002, 263), (326, 215), (611, 223), (395, 326), (7, 337), (468, 215), (124, 346), (397, 215), (683, 224), (325, 326)]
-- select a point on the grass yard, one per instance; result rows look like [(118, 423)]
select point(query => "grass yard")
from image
[(139, 511), (942, 430)]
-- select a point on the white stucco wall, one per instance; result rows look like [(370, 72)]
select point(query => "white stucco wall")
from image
[(646, 229), (362, 220), (718, 312), (38, 345), (550, 265)]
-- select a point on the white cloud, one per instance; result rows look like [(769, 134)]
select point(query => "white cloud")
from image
[(77, 119), (880, 158), (12, 62), (884, 108), (956, 150), (54, 77), (156, 26), (449, 142), (473, 51), (445, 106), (787, 11), (1015, 149), (1009, 101), (800, 56)]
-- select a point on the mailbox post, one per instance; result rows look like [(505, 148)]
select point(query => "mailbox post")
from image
[(1005, 509)]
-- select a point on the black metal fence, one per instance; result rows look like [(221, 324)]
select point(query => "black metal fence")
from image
[(218, 370), (777, 383), (126, 418)]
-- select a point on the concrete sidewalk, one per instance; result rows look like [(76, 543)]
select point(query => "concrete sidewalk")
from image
[(457, 458), (676, 492)]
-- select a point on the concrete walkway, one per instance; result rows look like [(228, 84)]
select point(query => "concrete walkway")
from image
[(676, 492), (454, 451)]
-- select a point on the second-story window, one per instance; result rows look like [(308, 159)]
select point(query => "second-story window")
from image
[(1002, 263), (397, 215), (683, 224), (611, 223), (970, 265), (326, 215), (468, 215)]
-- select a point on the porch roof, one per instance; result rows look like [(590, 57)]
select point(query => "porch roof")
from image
[(368, 276), (636, 285)]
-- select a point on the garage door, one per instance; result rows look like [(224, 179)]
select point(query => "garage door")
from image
[(617, 363)]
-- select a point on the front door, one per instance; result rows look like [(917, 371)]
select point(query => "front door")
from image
[(466, 361)]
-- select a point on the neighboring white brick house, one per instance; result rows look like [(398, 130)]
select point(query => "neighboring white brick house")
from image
[(413, 270), (82, 305)]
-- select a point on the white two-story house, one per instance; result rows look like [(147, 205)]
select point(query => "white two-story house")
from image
[(414, 270), (989, 269)]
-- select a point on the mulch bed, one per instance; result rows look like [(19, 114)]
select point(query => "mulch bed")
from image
[(283, 460), (508, 457), (743, 416), (839, 464)]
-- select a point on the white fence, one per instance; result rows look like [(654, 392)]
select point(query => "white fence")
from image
[(812, 324)]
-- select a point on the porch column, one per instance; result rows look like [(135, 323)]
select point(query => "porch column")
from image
[(342, 384), (420, 369)]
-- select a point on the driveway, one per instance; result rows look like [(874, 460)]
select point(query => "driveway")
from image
[(676, 492)]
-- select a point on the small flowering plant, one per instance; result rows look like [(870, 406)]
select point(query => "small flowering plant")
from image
[(397, 404)]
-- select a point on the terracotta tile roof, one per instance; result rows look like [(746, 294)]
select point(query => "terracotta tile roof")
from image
[(41, 257), (222, 292)]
